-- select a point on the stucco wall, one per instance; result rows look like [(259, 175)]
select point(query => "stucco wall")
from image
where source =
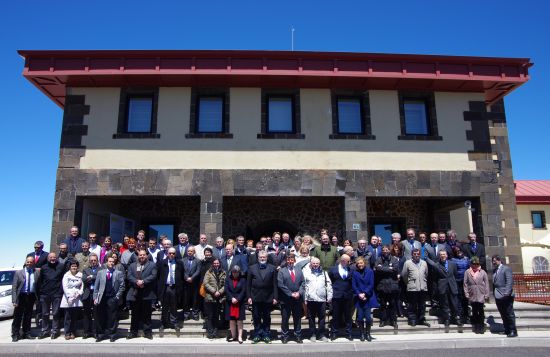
[(245, 151), (526, 232)]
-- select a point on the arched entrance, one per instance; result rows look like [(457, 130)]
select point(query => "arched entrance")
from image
[(266, 228)]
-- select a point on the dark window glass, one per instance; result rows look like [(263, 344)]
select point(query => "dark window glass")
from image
[(140, 114), (280, 115), (538, 219), (349, 116), (210, 115), (416, 117)]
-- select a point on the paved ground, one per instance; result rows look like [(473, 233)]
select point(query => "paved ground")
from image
[(533, 343)]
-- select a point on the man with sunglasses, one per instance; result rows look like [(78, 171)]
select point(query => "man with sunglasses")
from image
[(170, 289)]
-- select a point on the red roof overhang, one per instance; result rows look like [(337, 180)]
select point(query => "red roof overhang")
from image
[(53, 71), (532, 191)]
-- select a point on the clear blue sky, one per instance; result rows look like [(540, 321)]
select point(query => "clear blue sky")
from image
[(31, 122)]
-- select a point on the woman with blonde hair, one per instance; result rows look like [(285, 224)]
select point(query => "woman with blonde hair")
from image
[(476, 290)]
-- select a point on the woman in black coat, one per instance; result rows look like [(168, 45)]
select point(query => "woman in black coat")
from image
[(235, 292)]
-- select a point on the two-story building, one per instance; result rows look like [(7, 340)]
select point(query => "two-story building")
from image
[(249, 142)]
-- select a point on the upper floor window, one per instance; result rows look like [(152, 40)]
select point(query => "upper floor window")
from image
[(137, 115), (418, 116), (280, 114), (140, 114), (350, 115), (209, 117), (539, 220)]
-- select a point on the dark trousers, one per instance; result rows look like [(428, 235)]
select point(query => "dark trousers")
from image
[(261, 319), (342, 309), (462, 301), (316, 310), (191, 297), (505, 307), (169, 308), (294, 308), (478, 315), (416, 306), (88, 315), (107, 316), (50, 302), (448, 306), (22, 314), (387, 305), (71, 318), (141, 314), (213, 311)]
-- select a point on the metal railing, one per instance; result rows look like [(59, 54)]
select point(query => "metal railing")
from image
[(534, 288)]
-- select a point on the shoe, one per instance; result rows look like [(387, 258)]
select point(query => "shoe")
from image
[(131, 335), (255, 340), (412, 323), (54, 335), (112, 339), (73, 336), (349, 337), (229, 338), (27, 336), (313, 339), (67, 337), (43, 336), (382, 324), (299, 340), (267, 340), (196, 317), (332, 336), (85, 336), (14, 338), (367, 332), (240, 342), (284, 340), (177, 331), (323, 339), (361, 326), (148, 336), (512, 334), (425, 323), (99, 338)]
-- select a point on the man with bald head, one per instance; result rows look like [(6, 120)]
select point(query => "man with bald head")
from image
[(342, 297), (170, 289), (191, 273), (50, 293)]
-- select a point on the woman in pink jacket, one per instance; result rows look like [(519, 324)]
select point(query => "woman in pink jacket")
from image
[(476, 290)]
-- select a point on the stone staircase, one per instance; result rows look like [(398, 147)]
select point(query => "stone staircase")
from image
[(529, 317)]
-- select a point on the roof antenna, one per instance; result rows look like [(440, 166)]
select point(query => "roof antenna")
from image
[(292, 37)]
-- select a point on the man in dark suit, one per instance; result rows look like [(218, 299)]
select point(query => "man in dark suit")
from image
[(39, 255), (503, 284), (447, 289), (89, 310), (191, 274), (375, 249), (218, 251), (108, 293), (162, 255), (170, 288), (291, 294), (181, 248), (141, 278), (409, 244), (262, 292), (23, 297), (231, 260), (475, 249), (50, 292), (342, 297)]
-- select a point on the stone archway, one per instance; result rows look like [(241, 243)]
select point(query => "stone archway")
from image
[(266, 228)]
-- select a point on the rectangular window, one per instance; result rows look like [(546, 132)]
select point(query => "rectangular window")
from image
[(280, 118), (538, 219), (416, 117), (140, 114), (210, 115), (349, 116)]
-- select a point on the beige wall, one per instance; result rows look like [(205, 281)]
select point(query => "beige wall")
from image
[(245, 151), (526, 232)]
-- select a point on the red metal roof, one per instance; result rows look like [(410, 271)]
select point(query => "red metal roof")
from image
[(532, 191), (53, 71)]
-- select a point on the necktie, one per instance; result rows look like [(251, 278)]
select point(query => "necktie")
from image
[(190, 263), (345, 274), (108, 275), (292, 276), (474, 248), (172, 274), (229, 262), (28, 281), (36, 257)]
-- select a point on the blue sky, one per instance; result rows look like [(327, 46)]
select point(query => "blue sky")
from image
[(31, 122)]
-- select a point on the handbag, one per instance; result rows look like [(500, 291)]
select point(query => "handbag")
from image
[(202, 291)]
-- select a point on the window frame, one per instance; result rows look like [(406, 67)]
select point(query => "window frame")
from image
[(126, 95), (431, 115), (542, 218), (294, 96), (196, 95), (364, 102)]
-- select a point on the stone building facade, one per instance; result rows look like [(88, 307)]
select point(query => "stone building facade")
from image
[(248, 180)]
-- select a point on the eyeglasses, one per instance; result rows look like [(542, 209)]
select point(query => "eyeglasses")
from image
[(172, 253)]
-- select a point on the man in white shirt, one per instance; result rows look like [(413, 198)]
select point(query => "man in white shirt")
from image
[(199, 248)]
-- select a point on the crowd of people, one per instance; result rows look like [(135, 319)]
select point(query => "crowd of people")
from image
[(304, 277)]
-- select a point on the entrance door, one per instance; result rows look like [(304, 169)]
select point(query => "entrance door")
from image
[(384, 227)]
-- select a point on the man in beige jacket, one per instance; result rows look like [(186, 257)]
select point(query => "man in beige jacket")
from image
[(415, 275)]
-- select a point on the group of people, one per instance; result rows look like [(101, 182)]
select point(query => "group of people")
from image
[(302, 277)]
